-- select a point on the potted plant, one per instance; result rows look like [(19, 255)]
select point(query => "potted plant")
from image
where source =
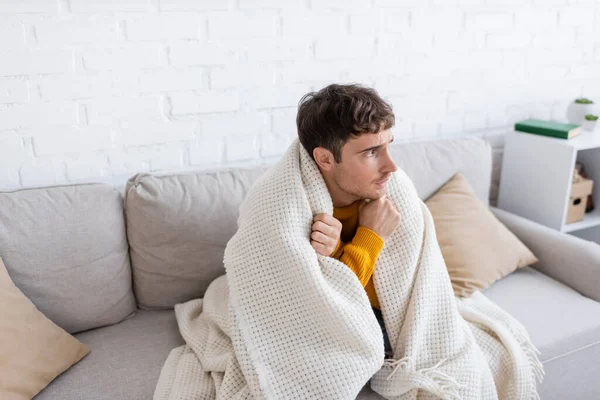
[(578, 109), (590, 122)]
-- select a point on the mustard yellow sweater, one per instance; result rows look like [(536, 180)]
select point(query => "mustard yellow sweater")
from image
[(358, 248)]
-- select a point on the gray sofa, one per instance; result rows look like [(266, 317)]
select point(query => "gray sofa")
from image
[(108, 264)]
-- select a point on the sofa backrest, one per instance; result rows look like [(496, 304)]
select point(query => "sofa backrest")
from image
[(65, 248), (179, 224)]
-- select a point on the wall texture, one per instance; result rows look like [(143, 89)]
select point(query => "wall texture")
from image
[(97, 90)]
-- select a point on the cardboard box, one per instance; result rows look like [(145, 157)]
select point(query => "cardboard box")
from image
[(578, 199)]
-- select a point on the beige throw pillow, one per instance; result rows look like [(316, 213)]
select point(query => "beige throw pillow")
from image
[(33, 349), (477, 248)]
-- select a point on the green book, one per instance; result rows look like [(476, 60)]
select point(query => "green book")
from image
[(548, 128)]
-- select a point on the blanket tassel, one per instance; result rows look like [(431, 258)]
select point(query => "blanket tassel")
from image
[(441, 384)]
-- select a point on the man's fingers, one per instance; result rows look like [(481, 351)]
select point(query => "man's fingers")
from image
[(323, 228), (319, 247), (320, 237)]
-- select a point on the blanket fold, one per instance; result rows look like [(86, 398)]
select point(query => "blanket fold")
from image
[(288, 323)]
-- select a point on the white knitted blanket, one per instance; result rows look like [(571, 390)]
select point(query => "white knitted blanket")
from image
[(288, 323)]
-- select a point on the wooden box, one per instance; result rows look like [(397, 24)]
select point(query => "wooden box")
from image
[(578, 199)]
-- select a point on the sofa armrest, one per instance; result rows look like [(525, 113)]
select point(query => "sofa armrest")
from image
[(566, 258)]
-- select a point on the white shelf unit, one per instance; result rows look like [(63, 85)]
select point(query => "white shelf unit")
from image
[(536, 179)]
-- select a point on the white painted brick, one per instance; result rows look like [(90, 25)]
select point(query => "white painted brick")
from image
[(241, 147), (189, 54), (511, 40), (109, 111), (576, 16), (34, 115), (536, 19), (9, 179), (13, 90), (286, 96), (259, 24), (61, 139), (12, 36), (334, 48), (12, 151), (489, 22), (459, 41), (278, 4), (28, 6), (89, 6), (369, 23), (438, 64), (310, 71), (451, 125), (207, 151), (313, 24), (158, 157), (475, 121), (62, 87), (398, 3), (194, 5), (273, 145), (254, 123), (396, 21), (340, 4), (147, 55), (58, 32), (426, 127), (127, 162), (555, 39), (204, 102), (40, 172), (168, 80), (590, 71), (35, 62), (165, 26), (397, 47), (284, 122), (437, 19), (242, 76), (282, 49), (86, 167), (420, 105), (551, 56), (138, 133)]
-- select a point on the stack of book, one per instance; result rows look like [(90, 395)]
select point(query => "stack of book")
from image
[(548, 128)]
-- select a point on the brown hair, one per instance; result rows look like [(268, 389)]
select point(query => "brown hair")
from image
[(329, 117)]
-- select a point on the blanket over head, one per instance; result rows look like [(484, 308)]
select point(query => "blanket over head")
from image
[(288, 323)]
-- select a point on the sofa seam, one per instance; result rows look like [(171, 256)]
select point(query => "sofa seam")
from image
[(570, 352)]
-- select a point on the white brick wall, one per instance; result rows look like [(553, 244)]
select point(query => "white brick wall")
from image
[(103, 89)]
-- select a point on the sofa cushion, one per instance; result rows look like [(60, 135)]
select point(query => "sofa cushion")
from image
[(125, 360), (178, 227), (430, 164), (558, 319), (477, 248), (65, 248)]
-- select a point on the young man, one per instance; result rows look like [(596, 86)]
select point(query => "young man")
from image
[(347, 130)]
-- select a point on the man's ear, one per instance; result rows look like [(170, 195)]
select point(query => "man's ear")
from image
[(324, 158)]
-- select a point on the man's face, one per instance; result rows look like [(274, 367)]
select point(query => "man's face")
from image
[(365, 166)]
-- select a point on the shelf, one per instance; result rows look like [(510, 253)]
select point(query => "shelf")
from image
[(585, 140), (589, 220)]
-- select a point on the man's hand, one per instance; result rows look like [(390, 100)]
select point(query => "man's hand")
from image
[(325, 235), (380, 216)]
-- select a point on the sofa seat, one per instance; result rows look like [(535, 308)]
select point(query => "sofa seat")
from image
[(563, 325), (125, 360)]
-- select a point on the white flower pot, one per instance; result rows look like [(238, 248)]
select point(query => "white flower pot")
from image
[(589, 126), (576, 112)]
